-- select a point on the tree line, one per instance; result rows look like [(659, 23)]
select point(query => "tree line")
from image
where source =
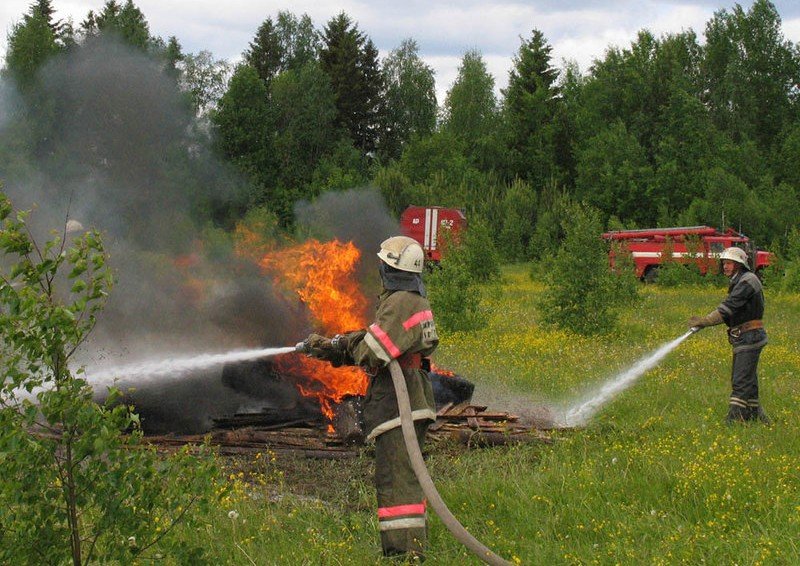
[(669, 130)]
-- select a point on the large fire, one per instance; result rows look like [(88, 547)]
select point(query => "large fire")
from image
[(322, 274)]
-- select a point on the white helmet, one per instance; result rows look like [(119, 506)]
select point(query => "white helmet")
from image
[(735, 254), (403, 253)]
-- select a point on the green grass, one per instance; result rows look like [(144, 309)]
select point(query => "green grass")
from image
[(655, 478)]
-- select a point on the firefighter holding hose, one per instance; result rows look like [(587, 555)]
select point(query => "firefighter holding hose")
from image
[(742, 311), (403, 330)]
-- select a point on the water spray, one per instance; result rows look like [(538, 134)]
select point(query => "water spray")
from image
[(580, 413), (178, 366)]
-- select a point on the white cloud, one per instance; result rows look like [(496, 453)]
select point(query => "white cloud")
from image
[(791, 29)]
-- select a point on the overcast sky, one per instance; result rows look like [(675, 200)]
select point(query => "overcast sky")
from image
[(578, 30)]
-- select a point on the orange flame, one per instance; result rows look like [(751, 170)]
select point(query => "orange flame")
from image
[(442, 371), (322, 275)]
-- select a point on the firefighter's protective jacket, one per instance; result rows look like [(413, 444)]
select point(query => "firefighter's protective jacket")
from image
[(745, 300), (403, 325)]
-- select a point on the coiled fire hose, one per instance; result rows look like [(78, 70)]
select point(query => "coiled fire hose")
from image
[(424, 478)]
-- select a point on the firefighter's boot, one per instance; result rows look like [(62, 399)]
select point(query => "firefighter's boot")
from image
[(738, 411), (756, 412)]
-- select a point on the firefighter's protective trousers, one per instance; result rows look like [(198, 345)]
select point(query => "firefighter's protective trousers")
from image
[(744, 402)]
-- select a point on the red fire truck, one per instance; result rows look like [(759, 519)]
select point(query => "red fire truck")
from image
[(699, 244), (424, 223)]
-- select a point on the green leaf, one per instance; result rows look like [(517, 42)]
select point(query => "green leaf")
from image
[(78, 286)]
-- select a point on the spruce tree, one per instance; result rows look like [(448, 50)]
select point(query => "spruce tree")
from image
[(530, 106), (30, 44), (127, 22), (579, 296), (283, 44), (265, 54), (351, 62)]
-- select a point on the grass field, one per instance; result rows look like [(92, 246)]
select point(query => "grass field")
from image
[(655, 478)]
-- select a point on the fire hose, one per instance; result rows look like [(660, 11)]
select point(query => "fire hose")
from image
[(418, 464)]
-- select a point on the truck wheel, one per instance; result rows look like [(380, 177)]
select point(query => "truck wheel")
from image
[(651, 275)]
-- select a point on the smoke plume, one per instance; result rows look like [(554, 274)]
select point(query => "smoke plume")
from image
[(118, 149)]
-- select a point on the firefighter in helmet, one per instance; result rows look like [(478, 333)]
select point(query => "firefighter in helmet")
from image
[(403, 330), (741, 311)]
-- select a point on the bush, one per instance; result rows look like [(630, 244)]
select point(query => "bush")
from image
[(791, 276), (454, 296), (480, 255), (580, 293), (77, 485), (454, 286), (674, 273), (624, 283)]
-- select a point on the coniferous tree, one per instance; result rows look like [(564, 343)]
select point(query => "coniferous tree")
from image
[(283, 44), (30, 44), (127, 22), (62, 30), (351, 62), (265, 53), (172, 55), (530, 106), (580, 284)]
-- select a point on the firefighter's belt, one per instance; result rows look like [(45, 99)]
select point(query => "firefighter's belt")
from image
[(410, 361), (737, 331)]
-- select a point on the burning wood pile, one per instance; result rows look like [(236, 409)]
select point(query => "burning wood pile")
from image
[(302, 430), (295, 404)]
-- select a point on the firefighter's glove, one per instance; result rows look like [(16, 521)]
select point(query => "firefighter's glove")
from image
[(343, 345), (712, 319), (345, 342), (317, 346)]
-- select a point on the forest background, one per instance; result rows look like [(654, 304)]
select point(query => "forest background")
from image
[(671, 130)]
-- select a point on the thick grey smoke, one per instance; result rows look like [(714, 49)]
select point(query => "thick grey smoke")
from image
[(120, 151), (123, 153), (7, 100)]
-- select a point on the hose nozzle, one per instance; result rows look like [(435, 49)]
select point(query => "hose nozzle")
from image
[(302, 347), (695, 329)]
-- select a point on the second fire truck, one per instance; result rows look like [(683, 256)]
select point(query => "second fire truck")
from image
[(701, 245)]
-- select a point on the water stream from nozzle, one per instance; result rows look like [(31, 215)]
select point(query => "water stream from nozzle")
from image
[(580, 412), (177, 366)]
